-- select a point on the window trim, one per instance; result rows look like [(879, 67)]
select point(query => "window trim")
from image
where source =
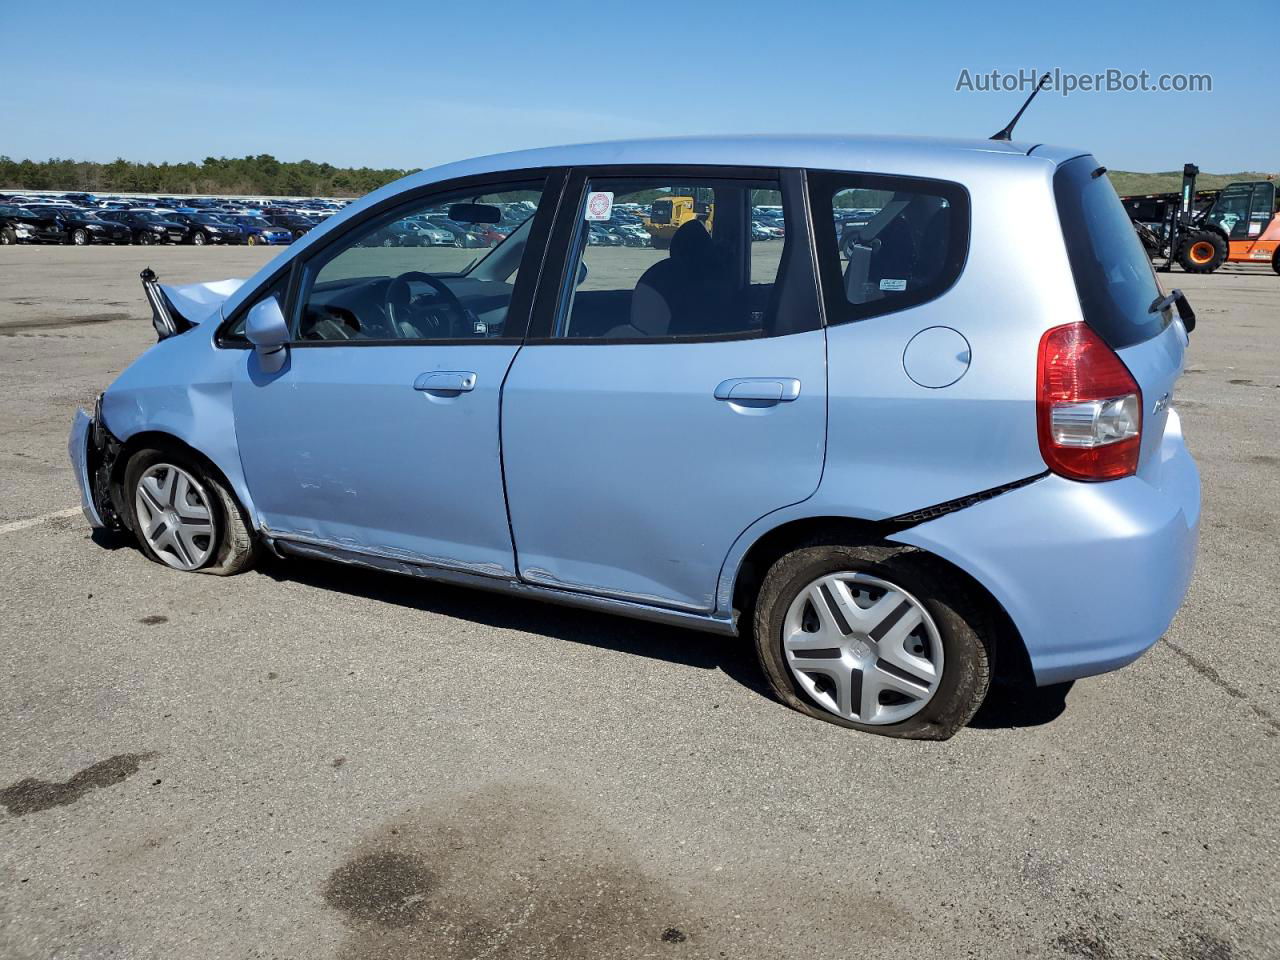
[(794, 268), (824, 184), (553, 178)]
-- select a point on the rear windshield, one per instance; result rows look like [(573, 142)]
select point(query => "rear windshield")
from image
[(1114, 279)]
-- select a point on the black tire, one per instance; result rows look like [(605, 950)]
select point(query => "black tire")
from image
[(146, 239), (965, 632), (1275, 260), (80, 237), (1202, 251), (7, 236), (251, 240), (198, 238), (235, 547)]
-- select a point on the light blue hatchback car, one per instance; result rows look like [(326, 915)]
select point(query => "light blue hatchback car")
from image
[(925, 438)]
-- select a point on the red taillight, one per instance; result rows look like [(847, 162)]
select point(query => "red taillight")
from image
[(1088, 406)]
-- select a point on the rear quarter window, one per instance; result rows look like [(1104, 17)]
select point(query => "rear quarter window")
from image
[(886, 243), (1114, 279)]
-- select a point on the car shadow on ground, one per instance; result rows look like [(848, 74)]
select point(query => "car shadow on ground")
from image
[(1008, 706), (1021, 705), (692, 648)]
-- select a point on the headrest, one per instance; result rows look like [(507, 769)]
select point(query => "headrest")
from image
[(691, 241)]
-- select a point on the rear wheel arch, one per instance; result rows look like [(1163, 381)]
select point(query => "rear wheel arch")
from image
[(1012, 663)]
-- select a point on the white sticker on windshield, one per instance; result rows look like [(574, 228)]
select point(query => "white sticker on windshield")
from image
[(893, 284), (599, 205)]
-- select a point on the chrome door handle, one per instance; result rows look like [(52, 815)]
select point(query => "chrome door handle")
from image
[(446, 381), (767, 389)]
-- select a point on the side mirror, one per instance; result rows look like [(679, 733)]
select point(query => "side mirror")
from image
[(268, 332)]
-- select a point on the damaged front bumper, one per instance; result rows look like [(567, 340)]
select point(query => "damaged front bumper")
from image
[(93, 450)]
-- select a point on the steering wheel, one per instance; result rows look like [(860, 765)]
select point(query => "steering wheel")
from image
[(398, 312)]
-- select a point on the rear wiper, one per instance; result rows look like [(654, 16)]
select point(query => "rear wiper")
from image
[(1178, 298)]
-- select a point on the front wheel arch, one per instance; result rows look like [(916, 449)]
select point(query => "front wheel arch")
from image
[(160, 440)]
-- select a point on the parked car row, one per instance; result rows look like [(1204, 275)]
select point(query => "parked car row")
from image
[(81, 219)]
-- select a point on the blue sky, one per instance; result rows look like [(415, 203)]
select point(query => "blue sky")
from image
[(409, 84)]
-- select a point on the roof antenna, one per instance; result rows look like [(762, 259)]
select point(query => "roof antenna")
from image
[(1007, 132)]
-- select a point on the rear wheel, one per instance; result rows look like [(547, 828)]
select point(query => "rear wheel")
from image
[(1203, 251), (183, 515), (873, 637)]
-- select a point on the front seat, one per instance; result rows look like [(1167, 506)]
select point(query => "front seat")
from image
[(681, 295)]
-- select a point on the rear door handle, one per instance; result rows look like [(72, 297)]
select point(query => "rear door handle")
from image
[(767, 389), (446, 381)]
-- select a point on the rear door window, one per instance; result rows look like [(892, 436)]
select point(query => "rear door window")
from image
[(1114, 279), (665, 258), (886, 243)]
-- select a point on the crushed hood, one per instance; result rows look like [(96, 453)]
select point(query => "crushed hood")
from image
[(197, 302)]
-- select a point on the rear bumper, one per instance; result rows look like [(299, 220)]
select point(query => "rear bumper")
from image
[(1091, 574)]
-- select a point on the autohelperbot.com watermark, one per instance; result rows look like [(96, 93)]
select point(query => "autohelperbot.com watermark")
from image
[(1065, 82)]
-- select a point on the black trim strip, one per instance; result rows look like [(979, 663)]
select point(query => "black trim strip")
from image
[(951, 506)]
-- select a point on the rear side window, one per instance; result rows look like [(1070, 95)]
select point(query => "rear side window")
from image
[(1114, 279), (886, 243), (666, 258)]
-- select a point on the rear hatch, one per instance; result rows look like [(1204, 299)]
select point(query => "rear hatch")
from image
[(1117, 288)]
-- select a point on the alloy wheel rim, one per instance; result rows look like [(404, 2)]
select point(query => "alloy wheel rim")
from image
[(175, 516), (862, 648)]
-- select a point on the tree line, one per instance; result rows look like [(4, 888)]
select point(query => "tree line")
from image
[(262, 175)]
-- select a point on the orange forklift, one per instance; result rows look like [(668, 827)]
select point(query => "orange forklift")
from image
[(1240, 225)]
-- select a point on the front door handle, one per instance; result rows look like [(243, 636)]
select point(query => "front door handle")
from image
[(446, 381), (760, 389)]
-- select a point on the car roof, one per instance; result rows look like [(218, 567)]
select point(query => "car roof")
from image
[(939, 157), (832, 151)]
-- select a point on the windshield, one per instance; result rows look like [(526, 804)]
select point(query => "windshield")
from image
[(254, 222)]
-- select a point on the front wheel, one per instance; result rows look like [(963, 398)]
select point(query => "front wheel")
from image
[(80, 236), (146, 240), (872, 637), (198, 239), (251, 240), (1275, 260), (7, 236), (183, 515)]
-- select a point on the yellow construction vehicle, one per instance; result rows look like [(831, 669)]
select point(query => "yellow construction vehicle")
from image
[(669, 213)]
